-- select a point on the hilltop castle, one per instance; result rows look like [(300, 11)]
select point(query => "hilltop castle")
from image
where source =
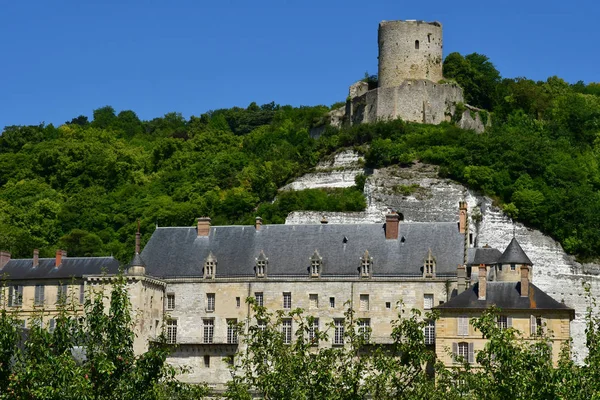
[(410, 83)]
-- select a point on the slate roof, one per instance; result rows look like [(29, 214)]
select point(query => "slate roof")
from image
[(507, 296), (71, 267), (514, 254), (179, 252), (137, 261), (483, 255)]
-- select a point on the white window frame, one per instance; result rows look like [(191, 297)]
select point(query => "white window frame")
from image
[(364, 302), (260, 299), (287, 300), (429, 332), (364, 328), (462, 324), (312, 331), (172, 331), (210, 302), (15, 294), (286, 330), (428, 301), (338, 336), (208, 329), (232, 334), (39, 294), (170, 301)]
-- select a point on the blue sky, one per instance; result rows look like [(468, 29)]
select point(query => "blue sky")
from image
[(60, 59)]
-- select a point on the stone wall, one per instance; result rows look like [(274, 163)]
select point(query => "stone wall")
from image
[(409, 50)]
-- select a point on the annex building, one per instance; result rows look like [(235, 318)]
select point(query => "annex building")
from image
[(194, 281)]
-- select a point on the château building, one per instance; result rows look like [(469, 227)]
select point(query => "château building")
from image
[(194, 281)]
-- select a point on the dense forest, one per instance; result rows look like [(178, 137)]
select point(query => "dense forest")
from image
[(81, 186)]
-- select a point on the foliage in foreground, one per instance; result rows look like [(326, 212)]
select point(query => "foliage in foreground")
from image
[(85, 357)]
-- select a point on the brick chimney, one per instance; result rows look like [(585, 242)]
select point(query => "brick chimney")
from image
[(461, 278), (258, 223), (59, 256), (36, 257), (4, 258), (524, 280), (392, 221), (482, 281), (462, 217), (203, 226)]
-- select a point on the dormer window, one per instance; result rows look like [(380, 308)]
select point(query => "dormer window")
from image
[(316, 262), (429, 266), (261, 265), (210, 266), (366, 265)]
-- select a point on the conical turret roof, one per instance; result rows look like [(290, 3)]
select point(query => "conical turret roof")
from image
[(514, 254), (137, 261)]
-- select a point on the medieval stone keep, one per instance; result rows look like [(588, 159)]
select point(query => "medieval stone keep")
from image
[(410, 82)]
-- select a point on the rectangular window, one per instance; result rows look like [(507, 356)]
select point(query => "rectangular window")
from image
[(15, 296), (210, 302), (61, 294), (237, 302), (172, 331), (261, 324), (427, 301), (259, 299), (51, 324), (332, 302), (312, 331), (537, 325), (513, 267), (287, 300), (364, 302), (206, 361), (463, 326), (388, 305), (364, 328), (287, 331), (39, 295), (464, 351), (313, 300), (209, 330), (429, 332), (232, 336), (338, 334), (170, 301), (504, 322), (81, 293)]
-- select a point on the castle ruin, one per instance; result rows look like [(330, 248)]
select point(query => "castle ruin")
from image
[(410, 82)]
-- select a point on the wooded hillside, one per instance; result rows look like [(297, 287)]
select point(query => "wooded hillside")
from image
[(82, 186)]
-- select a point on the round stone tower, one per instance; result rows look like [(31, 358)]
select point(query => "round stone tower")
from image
[(409, 50)]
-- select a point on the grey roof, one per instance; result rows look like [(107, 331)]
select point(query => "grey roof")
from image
[(507, 296), (137, 261), (514, 254), (179, 252), (71, 267), (483, 255)]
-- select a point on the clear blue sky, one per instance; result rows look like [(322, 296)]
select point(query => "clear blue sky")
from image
[(60, 59)]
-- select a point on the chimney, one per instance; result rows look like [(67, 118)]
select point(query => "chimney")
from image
[(203, 226), (461, 277), (324, 220), (59, 256), (392, 221), (4, 258), (524, 280), (482, 281), (462, 217), (258, 223), (36, 258), (137, 238)]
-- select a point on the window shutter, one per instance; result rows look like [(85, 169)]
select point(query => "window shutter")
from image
[(471, 353), (509, 322), (454, 350), (532, 325), (10, 296)]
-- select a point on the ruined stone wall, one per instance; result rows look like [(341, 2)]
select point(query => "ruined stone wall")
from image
[(409, 50), (420, 101)]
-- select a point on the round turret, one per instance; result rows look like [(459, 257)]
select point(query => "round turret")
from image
[(409, 50)]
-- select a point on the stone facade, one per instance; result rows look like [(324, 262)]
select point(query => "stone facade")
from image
[(409, 50)]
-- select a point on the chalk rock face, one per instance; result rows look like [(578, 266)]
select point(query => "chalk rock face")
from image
[(421, 195)]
